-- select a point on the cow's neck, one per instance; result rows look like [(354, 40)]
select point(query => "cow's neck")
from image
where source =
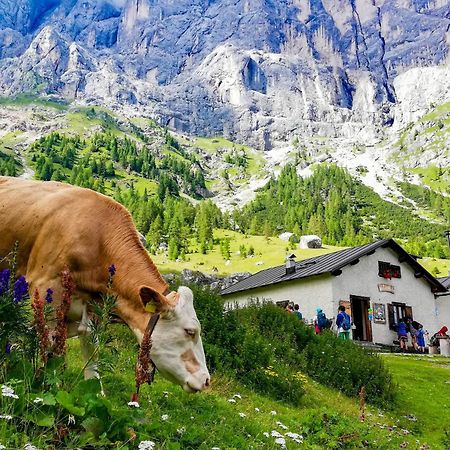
[(134, 266), (134, 270)]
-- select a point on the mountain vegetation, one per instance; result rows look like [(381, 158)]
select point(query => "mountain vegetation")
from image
[(330, 203), (338, 207)]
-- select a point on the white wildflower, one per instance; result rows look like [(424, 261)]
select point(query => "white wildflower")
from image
[(134, 405), (241, 414), (165, 417), (181, 430), (404, 431), (8, 392), (276, 433), (215, 448), (231, 400), (38, 400), (274, 413), (192, 417), (295, 437), (282, 425), (237, 396), (30, 447), (6, 417), (266, 434), (71, 420), (281, 441), (257, 409), (2, 447), (146, 445)]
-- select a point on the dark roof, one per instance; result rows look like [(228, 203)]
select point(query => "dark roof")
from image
[(329, 263), (445, 281)]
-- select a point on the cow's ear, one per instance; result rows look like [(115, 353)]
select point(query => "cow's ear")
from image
[(153, 301)]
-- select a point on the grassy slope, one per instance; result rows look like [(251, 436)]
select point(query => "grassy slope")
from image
[(327, 419), (271, 252), (424, 385)]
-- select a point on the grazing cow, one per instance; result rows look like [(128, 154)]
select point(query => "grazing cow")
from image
[(58, 225)]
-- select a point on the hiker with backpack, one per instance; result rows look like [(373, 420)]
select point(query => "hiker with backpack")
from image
[(321, 322), (343, 323)]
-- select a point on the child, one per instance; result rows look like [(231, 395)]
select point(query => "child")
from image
[(421, 338), (402, 334)]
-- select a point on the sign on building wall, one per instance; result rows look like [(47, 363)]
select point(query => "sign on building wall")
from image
[(386, 288), (379, 313)]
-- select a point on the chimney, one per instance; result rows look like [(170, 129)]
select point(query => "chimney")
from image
[(290, 264)]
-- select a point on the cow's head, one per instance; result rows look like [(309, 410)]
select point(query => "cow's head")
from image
[(177, 349)]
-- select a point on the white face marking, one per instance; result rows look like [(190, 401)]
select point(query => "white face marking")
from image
[(177, 348)]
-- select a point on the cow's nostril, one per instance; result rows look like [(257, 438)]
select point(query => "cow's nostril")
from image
[(207, 382)]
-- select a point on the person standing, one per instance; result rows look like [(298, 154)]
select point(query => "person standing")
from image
[(297, 312), (343, 323), (413, 326), (420, 335), (320, 321), (402, 334)]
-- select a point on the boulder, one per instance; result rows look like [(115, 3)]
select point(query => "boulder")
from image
[(286, 236), (310, 241)]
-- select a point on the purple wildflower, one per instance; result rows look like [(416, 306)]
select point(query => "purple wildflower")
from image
[(4, 280), (49, 296), (20, 289), (112, 270), (8, 348)]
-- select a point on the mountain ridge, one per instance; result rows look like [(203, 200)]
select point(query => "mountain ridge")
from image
[(198, 66)]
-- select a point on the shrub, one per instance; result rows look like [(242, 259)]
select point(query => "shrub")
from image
[(249, 340), (234, 343), (347, 367)]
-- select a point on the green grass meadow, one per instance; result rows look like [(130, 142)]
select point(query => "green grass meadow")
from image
[(269, 252), (325, 418)]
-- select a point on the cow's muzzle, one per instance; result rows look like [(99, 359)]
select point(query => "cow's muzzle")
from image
[(197, 382)]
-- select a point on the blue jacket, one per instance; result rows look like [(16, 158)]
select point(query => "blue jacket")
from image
[(341, 317), (401, 329)]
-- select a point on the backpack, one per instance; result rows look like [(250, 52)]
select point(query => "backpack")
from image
[(322, 321), (346, 323)]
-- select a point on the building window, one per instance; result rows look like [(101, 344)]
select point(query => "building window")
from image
[(398, 311), (388, 270), (395, 272)]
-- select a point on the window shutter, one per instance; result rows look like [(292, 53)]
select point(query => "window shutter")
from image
[(390, 309), (408, 312)]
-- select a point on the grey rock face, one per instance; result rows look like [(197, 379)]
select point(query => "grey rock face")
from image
[(259, 70)]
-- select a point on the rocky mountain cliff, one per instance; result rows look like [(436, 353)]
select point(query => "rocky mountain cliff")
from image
[(255, 70)]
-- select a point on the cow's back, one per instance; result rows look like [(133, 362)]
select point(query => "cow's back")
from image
[(46, 219)]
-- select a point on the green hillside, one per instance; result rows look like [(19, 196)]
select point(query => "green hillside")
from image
[(166, 181)]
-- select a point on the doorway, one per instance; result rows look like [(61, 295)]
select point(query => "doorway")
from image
[(360, 317)]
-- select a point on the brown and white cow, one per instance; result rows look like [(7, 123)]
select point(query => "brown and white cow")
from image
[(58, 226)]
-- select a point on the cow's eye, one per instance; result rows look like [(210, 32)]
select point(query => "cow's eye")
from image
[(189, 332)]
